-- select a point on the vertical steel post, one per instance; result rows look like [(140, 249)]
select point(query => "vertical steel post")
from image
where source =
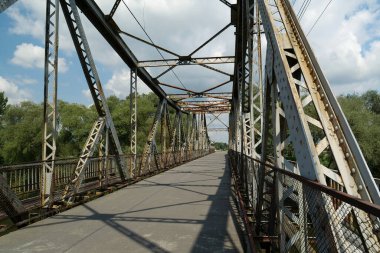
[(150, 143), (50, 100), (133, 115)]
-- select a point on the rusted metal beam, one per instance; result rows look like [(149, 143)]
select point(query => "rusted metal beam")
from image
[(148, 43), (176, 87), (185, 60)]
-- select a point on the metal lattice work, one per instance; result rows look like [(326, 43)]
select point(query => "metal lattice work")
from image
[(87, 152), (300, 118), (50, 99), (283, 122), (150, 144), (133, 115), (78, 35), (310, 217)]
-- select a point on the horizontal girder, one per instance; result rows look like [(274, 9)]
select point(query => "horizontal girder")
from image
[(187, 60)]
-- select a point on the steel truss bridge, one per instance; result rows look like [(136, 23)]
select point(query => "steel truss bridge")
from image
[(283, 117)]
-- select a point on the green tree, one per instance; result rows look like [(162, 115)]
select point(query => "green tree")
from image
[(360, 111), (74, 124), (372, 101), (21, 133), (3, 103), (220, 146)]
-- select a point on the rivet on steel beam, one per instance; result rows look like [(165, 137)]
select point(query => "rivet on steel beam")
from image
[(360, 187), (347, 154), (336, 128), (341, 140), (331, 116), (353, 170)]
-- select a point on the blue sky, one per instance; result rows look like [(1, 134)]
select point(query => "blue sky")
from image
[(346, 41)]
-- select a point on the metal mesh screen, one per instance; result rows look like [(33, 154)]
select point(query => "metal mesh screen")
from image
[(299, 215)]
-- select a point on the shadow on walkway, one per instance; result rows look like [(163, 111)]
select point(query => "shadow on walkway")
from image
[(214, 236)]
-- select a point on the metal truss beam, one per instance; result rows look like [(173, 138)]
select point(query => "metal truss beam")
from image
[(306, 75), (133, 116), (217, 95), (88, 150), (195, 103), (210, 39), (114, 8), (217, 129), (4, 4), (149, 43), (50, 100), (184, 60), (104, 155), (191, 137), (176, 136), (150, 143), (87, 62), (208, 106), (216, 117), (217, 109), (109, 31), (298, 85), (226, 3), (216, 86), (176, 87), (215, 69)]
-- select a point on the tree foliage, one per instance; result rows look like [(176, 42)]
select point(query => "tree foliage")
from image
[(21, 133), (220, 146), (363, 115), (3, 103), (21, 126)]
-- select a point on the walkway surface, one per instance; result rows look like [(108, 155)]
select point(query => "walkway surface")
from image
[(186, 209)]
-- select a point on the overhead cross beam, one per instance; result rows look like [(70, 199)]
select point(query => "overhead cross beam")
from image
[(109, 30), (149, 43), (218, 129), (216, 117), (185, 60)]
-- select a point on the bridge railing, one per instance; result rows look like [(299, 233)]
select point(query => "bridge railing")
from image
[(301, 215), (25, 179)]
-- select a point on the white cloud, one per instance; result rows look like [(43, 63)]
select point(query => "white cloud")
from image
[(13, 92), (119, 84), (28, 24), (28, 18), (87, 94), (31, 56), (186, 26), (346, 42)]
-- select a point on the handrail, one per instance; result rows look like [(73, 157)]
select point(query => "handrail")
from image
[(354, 201)]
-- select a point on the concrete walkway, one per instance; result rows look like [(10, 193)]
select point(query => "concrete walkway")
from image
[(186, 209)]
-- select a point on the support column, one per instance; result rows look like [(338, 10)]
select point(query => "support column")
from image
[(50, 101), (133, 115)]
